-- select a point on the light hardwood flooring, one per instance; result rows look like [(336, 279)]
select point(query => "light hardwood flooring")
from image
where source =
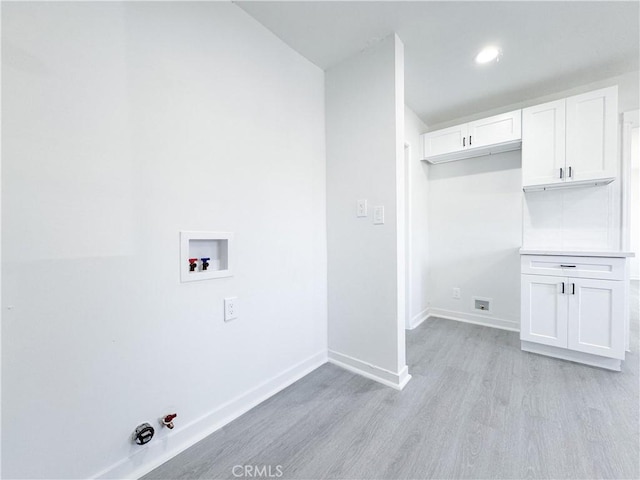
[(476, 407)]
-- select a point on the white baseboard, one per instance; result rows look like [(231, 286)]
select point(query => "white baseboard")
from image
[(572, 356), (386, 377), (154, 454), (476, 319), (418, 319)]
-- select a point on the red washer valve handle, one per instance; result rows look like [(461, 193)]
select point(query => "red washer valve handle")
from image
[(168, 420)]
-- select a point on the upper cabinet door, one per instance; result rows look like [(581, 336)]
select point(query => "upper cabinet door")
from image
[(596, 317), (494, 130), (448, 140), (543, 144), (592, 135)]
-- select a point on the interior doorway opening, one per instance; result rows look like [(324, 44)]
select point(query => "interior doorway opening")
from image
[(407, 234)]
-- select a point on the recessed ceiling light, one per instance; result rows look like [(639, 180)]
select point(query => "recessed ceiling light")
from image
[(489, 54)]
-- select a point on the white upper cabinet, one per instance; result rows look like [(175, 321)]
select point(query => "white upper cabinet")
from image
[(570, 142), (499, 133)]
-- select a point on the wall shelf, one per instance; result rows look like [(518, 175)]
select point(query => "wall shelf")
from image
[(570, 184), (214, 246), (474, 152)]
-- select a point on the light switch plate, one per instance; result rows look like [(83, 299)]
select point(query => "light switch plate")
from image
[(378, 215), (361, 208)]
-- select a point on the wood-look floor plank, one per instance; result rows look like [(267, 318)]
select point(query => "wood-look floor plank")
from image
[(477, 407)]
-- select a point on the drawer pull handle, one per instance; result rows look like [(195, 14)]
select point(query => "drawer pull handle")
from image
[(568, 266)]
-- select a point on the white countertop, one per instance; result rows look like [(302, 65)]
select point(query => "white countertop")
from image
[(576, 253)]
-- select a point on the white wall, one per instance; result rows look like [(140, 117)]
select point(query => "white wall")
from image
[(475, 232), (365, 141), (122, 125), (418, 221), (585, 218)]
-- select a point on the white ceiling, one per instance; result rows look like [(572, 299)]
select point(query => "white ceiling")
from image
[(547, 46)]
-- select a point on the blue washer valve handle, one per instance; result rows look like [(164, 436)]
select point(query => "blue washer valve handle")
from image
[(205, 262)]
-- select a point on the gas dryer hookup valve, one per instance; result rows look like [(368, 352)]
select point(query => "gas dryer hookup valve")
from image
[(143, 433)]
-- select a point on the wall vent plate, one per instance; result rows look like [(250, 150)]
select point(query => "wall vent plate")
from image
[(482, 304), (215, 248)]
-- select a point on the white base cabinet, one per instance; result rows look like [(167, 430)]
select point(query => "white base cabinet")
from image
[(579, 307)]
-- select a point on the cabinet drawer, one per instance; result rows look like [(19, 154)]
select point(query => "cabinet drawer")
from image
[(605, 268)]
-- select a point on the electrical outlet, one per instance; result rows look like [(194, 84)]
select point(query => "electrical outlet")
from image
[(362, 208), (230, 308), (456, 293)]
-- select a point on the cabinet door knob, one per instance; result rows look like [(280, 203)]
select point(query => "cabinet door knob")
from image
[(562, 287), (561, 176), (573, 289), (464, 139), (469, 140), (570, 172)]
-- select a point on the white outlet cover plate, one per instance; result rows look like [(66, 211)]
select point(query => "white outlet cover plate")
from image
[(230, 308)]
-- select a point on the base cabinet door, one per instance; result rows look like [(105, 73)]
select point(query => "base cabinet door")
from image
[(596, 312), (544, 310)]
